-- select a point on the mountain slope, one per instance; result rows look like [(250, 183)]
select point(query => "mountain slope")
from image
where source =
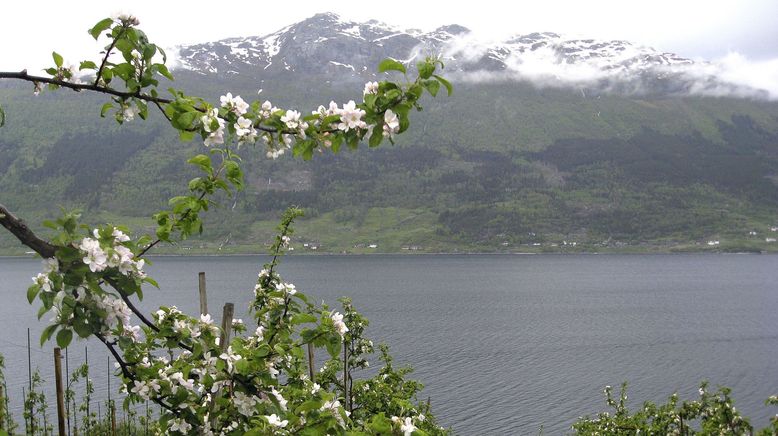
[(621, 162)]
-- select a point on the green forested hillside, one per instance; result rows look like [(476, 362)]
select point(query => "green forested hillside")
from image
[(496, 167)]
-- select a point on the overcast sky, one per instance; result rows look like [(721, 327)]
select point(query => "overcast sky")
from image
[(706, 29)]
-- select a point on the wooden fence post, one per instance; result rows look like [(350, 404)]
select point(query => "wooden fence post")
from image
[(229, 311), (113, 419), (203, 295), (345, 376), (311, 371), (60, 391), (2, 408)]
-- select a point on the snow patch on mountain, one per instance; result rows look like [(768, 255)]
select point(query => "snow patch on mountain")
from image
[(326, 44)]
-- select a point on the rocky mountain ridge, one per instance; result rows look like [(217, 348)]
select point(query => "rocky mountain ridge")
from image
[(327, 45)]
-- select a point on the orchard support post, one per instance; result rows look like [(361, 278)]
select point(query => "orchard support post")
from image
[(60, 391), (203, 295), (229, 311)]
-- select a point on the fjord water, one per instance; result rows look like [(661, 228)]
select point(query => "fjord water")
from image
[(504, 344)]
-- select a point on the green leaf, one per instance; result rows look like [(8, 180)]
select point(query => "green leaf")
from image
[(446, 84), (425, 69), (57, 59), (149, 51), (100, 27), (47, 332), (234, 174), (2, 117), (185, 119), (391, 65), (308, 406), (416, 91), (164, 71), (333, 345), (87, 65), (185, 135), (32, 292), (202, 161), (81, 328), (124, 70), (302, 318), (143, 108), (380, 424), (64, 337), (104, 110), (376, 137), (432, 86)]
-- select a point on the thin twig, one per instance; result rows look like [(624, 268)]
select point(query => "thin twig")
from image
[(107, 54), (127, 373)]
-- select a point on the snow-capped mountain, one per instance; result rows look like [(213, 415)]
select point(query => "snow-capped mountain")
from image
[(326, 44)]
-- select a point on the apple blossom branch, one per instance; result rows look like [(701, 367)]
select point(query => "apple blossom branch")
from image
[(24, 234), (94, 87)]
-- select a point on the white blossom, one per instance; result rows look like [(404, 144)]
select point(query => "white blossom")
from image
[(230, 358), (391, 124), (244, 128), (217, 136), (246, 404), (337, 321), (235, 105), (180, 425), (267, 109), (292, 119), (128, 112), (94, 257), (132, 331), (127, 18), (407, 427), (281, 401), (119, 236), (275, 421), (43, 281), (351, 117), (209, 118), (50, 265), (370, 88)]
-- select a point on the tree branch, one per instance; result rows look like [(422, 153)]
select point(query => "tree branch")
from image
[(128, 374), (158, 101), (22, 75), (23, 233), (107, 54)]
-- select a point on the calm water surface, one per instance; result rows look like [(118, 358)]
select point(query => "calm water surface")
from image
[(503, 344)]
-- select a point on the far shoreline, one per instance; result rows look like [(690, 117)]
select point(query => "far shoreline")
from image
[(33, 256)]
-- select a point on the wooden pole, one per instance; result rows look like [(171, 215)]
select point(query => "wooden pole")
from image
[(29, 378), (203, 295), (345, 375), (229, 311), (24, 399), (146, 421), (113, 419), (88, 412), (60, 391), (311, 371), (2, 408), (67, 383), (110, 402)]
